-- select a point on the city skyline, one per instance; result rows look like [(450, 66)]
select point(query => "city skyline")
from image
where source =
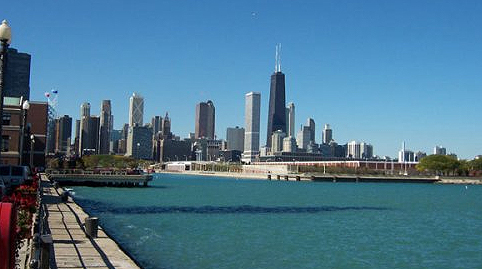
[(363, 68)]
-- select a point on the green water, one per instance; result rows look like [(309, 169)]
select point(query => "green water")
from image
[(207, 222)]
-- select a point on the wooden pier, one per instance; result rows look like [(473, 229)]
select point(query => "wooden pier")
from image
[(101, 180), (70, 247)]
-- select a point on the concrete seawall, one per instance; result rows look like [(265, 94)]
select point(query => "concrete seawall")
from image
[(373, 179), (337, 178)]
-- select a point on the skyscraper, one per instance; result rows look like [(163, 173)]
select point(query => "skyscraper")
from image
[(136, 110), (327, 134), (235, 138), (303, 137), (366, 150), (439, 150), (84, 127), (353, 150), (205, 120), (139, 142), (63, 128), (251, 127), (156, 123), (77, 136), (290, 119), (277, 141), (405, 155), (105, 127), (125, 131), (311, 124), (289, 144), (277, 109), (359, 150), (166, 127), (17, 75), (93, 134)]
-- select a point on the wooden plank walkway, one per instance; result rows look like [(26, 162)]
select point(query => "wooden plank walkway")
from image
[(71, 247)]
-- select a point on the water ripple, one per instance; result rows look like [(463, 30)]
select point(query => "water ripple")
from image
[(241, 209)]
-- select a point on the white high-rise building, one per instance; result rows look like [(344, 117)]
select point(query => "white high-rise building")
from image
[(327, 134), (366, 150), (359, 150), (277, 141), (303, 137), (251, 128), (289, 144), (353, 150), (84, 127), (290, 119), (136, 110), (405, 155)]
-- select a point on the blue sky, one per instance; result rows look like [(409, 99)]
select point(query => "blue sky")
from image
[(377, 71)]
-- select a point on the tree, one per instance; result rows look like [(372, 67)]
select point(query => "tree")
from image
[(464, 168), (475, 164), (439, 164)]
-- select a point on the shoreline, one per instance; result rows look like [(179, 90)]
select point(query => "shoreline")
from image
[(264, 176)]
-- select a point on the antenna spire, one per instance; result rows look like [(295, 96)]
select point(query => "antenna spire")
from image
[(277, 59)]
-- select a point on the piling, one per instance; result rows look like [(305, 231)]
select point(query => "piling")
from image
[(46, 244), (91, 226)]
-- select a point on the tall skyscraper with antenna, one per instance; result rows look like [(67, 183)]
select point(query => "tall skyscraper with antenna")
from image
[(277, 106)]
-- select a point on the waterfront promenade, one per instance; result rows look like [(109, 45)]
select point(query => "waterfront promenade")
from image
[(71, 248)]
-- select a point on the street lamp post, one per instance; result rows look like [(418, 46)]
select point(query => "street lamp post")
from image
[(138, 146), (5, 38), (32, 143), (25, 107)]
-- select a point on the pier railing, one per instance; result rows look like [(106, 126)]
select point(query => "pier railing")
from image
[(117, 178), (93, 172), (42, 239)]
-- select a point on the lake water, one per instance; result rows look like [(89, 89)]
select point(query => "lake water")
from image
[(183, 221)]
